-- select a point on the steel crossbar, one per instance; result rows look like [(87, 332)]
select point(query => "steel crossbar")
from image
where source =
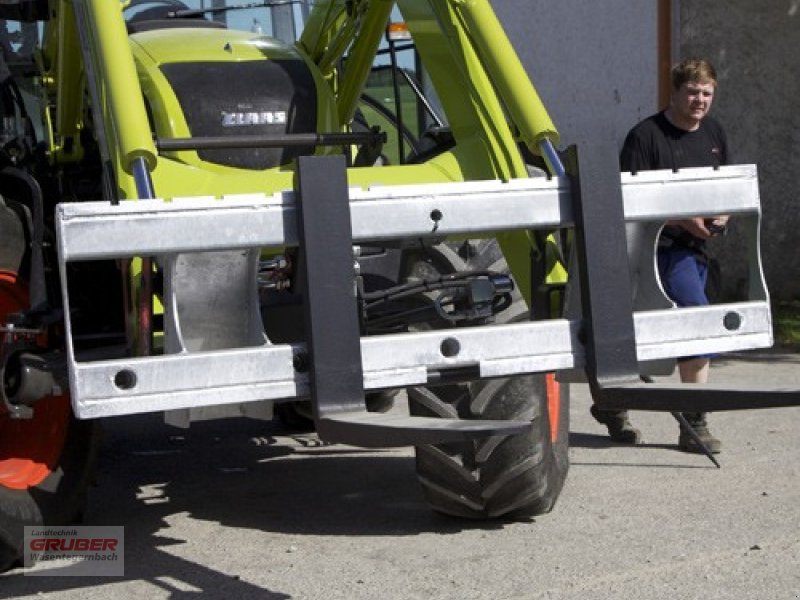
[(158, 228)]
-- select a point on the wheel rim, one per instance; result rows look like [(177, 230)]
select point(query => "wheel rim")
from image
[(29, 448)]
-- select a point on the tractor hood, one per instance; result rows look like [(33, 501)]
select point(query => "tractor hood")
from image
[(204, 82)]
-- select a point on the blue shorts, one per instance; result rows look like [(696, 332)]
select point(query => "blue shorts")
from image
[(684, 274)]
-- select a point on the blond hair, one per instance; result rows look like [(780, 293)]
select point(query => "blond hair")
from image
[(694, 70)]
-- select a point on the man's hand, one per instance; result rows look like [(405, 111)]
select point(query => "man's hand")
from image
[(696, 226), (716, 225), (703, 227)]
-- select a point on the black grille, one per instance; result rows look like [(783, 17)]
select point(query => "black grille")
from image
[(246, 94)]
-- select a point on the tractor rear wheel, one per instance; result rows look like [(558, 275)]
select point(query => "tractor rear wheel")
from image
[(500, 476), (46, 461)]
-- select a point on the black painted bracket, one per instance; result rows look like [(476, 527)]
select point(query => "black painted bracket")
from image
[(332, 326)]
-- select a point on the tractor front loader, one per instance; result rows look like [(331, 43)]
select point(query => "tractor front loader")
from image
[(207, 221)]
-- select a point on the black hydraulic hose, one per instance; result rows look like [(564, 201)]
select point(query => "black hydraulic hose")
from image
[(402, 290), (37, 285), (425, 287)]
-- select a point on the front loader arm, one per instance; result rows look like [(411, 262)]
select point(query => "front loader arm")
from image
[(62, 65), (86, 49), (490, 102), (361, 57), (105, 39)]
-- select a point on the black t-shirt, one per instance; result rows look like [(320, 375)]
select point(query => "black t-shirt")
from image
[(655, 143)]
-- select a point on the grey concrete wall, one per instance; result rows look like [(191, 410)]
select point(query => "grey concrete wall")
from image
[(755, 47), (593, 63)]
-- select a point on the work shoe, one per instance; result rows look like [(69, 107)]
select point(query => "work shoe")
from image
[(619, 427), (688, 444)]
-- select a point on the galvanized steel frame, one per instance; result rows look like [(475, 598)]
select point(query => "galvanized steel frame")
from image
[(97, 230)]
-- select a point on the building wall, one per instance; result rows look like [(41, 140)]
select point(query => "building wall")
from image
[(595, 65), (753, 46)]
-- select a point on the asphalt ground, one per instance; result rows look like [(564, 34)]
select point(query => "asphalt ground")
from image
[(244, 509)]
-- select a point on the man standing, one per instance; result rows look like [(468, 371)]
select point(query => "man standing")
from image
[(681, 136)]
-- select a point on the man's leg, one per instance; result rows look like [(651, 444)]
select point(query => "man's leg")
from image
[(695, 370), (619, 427), (683, 274)]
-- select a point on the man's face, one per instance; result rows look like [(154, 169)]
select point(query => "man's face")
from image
[(692, 101)]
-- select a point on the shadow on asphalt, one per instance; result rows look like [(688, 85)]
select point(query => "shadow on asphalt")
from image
[(776, 355), (176, 577), (591, 440), (639, 465), (600, 441), (240, 473)]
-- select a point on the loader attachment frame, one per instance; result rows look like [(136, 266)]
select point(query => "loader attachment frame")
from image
[(620, 324), (608, 339)]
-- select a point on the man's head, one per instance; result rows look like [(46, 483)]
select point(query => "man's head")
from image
[(694, 82), (694, 70)]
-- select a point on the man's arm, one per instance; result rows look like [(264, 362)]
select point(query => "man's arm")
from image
[(697, 226)]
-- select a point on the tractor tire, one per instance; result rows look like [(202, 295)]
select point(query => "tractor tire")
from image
[(46, 462), (501, 476)]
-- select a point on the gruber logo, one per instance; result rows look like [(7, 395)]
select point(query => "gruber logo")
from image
[(80, 550), (73, 544)]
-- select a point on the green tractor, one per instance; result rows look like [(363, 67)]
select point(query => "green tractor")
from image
[(201, 218)]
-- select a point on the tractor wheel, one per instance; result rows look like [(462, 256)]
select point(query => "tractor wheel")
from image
[(500, 476), (45, 462)]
